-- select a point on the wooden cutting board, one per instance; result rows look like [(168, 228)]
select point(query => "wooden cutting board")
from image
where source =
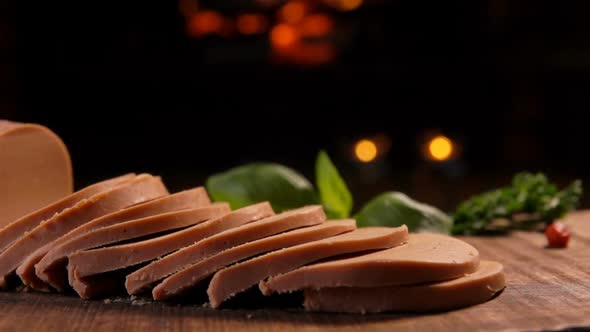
[(548, 289)]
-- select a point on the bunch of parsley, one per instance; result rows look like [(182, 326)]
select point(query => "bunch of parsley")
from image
[(530, 202)]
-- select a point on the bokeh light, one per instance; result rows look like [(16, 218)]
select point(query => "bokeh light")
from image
[(251, 24), (205, 22), (440, 148), (283, 36), (345, 5), (316, 25), (365, 150), (293, 12)]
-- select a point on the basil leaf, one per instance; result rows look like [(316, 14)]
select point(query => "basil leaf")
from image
[(334, 193), (396, 209), (283, 187)]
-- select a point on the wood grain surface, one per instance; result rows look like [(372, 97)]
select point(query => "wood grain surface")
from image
[(548, 289)]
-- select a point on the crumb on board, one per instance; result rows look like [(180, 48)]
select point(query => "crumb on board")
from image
[(117, 299), (140, 302)]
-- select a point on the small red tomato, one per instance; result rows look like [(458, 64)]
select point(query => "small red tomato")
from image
[(558, 235)]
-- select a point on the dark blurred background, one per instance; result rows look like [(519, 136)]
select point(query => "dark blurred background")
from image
[(434, 98)]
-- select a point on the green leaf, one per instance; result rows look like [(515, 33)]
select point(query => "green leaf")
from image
[(283, 187), (396, 209), (334, 193)]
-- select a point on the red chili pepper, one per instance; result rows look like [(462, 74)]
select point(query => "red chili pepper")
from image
[(558, 235)]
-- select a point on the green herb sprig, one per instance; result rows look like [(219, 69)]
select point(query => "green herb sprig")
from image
[(530, 202)]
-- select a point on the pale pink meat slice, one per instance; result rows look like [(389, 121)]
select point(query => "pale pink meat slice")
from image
[(472, 289), (35, 170), (51, 260), (144, 278), (26, 270), (16, 229), (83, 263), (121, 256), (140, 189), (234, 279), (80, 261), (424, 258), (178, 283)]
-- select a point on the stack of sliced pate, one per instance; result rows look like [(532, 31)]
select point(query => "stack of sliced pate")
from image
[(129, 234)]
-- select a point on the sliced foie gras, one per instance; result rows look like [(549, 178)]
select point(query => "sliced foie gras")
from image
[(178, 283), (35, 169), (141, 188), (144, 278), (239, 277), (51, 260), (16, 229), (469, 290), (424, 258), (121, 256), (86, 263)]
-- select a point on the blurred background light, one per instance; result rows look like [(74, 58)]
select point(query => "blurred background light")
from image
[(316, 25), (251, 24), (440, 148), (205, 22), (293, 12), (299, 32), (350, 4), (283, 36), (345, 5), (365, 150)]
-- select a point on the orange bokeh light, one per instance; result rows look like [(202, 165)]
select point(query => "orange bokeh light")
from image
[(366, 150), (283, 36), (440, 148), (293, 12), (251, 24), (316, 25), (348, 5), (205, 22)]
